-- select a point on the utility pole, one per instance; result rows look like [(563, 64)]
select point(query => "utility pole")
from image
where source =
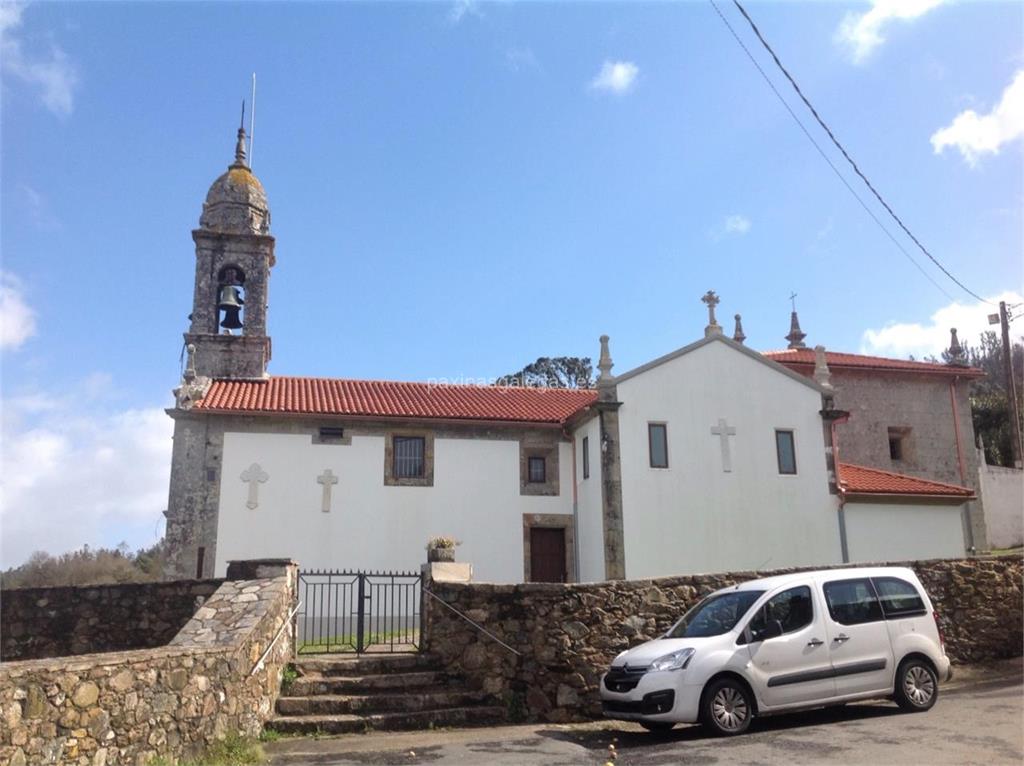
[(1011, 386)]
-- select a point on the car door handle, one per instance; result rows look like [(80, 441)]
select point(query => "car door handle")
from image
[(815, 642), (841, 637)]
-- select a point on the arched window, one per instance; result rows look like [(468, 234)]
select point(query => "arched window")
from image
[(230, 298)]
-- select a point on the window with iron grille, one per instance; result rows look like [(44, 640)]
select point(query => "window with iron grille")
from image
[(537, 470), (408, 457)]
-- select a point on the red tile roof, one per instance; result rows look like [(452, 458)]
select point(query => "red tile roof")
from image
[(802, 360), (859, 480), (389, 399)]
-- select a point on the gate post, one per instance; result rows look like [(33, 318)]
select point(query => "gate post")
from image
[(361, 613)]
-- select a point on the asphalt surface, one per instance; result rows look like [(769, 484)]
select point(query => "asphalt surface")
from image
[(980, 723)]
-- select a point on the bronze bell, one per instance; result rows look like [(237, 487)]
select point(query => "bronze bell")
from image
[(231, 304)]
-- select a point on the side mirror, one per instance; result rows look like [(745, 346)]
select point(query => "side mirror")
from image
[(773, 629)]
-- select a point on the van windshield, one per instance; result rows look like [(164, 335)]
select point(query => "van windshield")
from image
[(715, 615)]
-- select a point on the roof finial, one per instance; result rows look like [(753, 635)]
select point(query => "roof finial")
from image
[(796, 335), (605, 379), (240, 146), (955, 354), (822, 375), (711, 300), (738, 334)]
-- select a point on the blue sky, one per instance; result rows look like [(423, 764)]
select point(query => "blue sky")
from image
[(457, 189)]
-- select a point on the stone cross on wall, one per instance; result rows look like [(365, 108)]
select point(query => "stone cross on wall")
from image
[(254, 476), (328, 480), (723, 431)]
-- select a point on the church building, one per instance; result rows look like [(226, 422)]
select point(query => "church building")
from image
[(712, 457)]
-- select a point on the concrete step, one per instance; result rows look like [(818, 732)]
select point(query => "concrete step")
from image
[(316, 683), (365, 665), (362, 704), (423, 719)]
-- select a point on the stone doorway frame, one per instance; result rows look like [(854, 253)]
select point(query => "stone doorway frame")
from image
[(551, 521)]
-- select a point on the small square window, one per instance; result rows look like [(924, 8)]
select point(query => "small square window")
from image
[(657, 438), (537, 471), (785, 450), (586, 457), (408, 460)]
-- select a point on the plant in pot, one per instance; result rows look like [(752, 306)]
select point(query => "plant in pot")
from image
[(441, 548)]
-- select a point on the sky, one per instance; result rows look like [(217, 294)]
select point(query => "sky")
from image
[(459, 188)]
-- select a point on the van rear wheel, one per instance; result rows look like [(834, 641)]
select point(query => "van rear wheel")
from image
[(917, 686), (727, 708)]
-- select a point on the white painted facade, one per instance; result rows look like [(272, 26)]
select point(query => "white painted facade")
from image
[(590, 521), (877, 532), (475, 498), (1002, 492), (695, 516)]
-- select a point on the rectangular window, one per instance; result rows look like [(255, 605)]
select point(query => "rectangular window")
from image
[(537, 470), (329, 433), (657, 438), (200, 560), (586, 457), (897, 443), (852, 602), (785, 450), (408, 462), (899, 598)]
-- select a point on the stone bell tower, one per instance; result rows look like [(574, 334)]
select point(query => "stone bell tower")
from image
[(234, 254)]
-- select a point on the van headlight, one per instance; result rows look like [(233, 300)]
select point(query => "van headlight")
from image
[(675, 661)]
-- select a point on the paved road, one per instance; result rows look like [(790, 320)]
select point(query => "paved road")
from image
[(982, 724)]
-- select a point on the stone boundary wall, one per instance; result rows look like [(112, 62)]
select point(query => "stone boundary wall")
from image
[(169, 702), (569, 634), (64, 621)]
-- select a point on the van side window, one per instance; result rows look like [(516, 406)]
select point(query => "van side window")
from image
[(791, 609), (852, 602), (899, 598)]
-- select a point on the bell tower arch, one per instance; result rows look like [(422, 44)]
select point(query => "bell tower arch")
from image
[(234, 255)]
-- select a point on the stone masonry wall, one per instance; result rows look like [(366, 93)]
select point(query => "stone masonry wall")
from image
[(168, 702), (59, 622), (569, 634)]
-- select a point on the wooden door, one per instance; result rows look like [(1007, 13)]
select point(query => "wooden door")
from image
[(547, 554)]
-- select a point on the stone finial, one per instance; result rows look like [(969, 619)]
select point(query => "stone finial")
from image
[(711, 300), (240, 149), (190, 365), (738, 334), (955, 354), (605, 364), (822, 375), (796, 335)]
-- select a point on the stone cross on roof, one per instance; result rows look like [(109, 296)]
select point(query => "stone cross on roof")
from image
[(711, 300)]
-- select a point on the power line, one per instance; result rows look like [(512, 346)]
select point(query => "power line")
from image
[(846, 154), (827, 159)]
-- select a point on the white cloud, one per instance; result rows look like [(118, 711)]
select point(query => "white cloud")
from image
[(52, 74), (462, 8), (615, 77), (521, 59), (17, 320), (977, 134), (903, 339), (862, 32), (737, 224), (72, 473)]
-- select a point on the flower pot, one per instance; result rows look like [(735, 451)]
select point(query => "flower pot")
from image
[(440, 554)]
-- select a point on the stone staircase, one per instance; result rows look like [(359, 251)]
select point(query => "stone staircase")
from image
[(343, 695)]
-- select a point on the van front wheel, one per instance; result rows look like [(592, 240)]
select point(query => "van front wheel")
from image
[(726, 708), (917, 686)]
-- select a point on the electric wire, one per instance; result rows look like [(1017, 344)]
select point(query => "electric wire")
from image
[(825, 156), (846, 154)]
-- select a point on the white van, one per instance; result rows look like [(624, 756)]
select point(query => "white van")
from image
[(784, 643)]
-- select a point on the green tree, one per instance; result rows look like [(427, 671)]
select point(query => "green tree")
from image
[(88, 566), (990, 401), (553, 372)]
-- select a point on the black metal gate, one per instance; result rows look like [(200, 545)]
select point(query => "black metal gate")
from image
[(358, 612)]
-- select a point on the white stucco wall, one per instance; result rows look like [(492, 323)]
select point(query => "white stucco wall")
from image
[(694, 517), (475, 497), (900, 532), (588, 497), (1002, 494)]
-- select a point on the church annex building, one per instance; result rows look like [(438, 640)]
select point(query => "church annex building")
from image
[(713, 457)]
